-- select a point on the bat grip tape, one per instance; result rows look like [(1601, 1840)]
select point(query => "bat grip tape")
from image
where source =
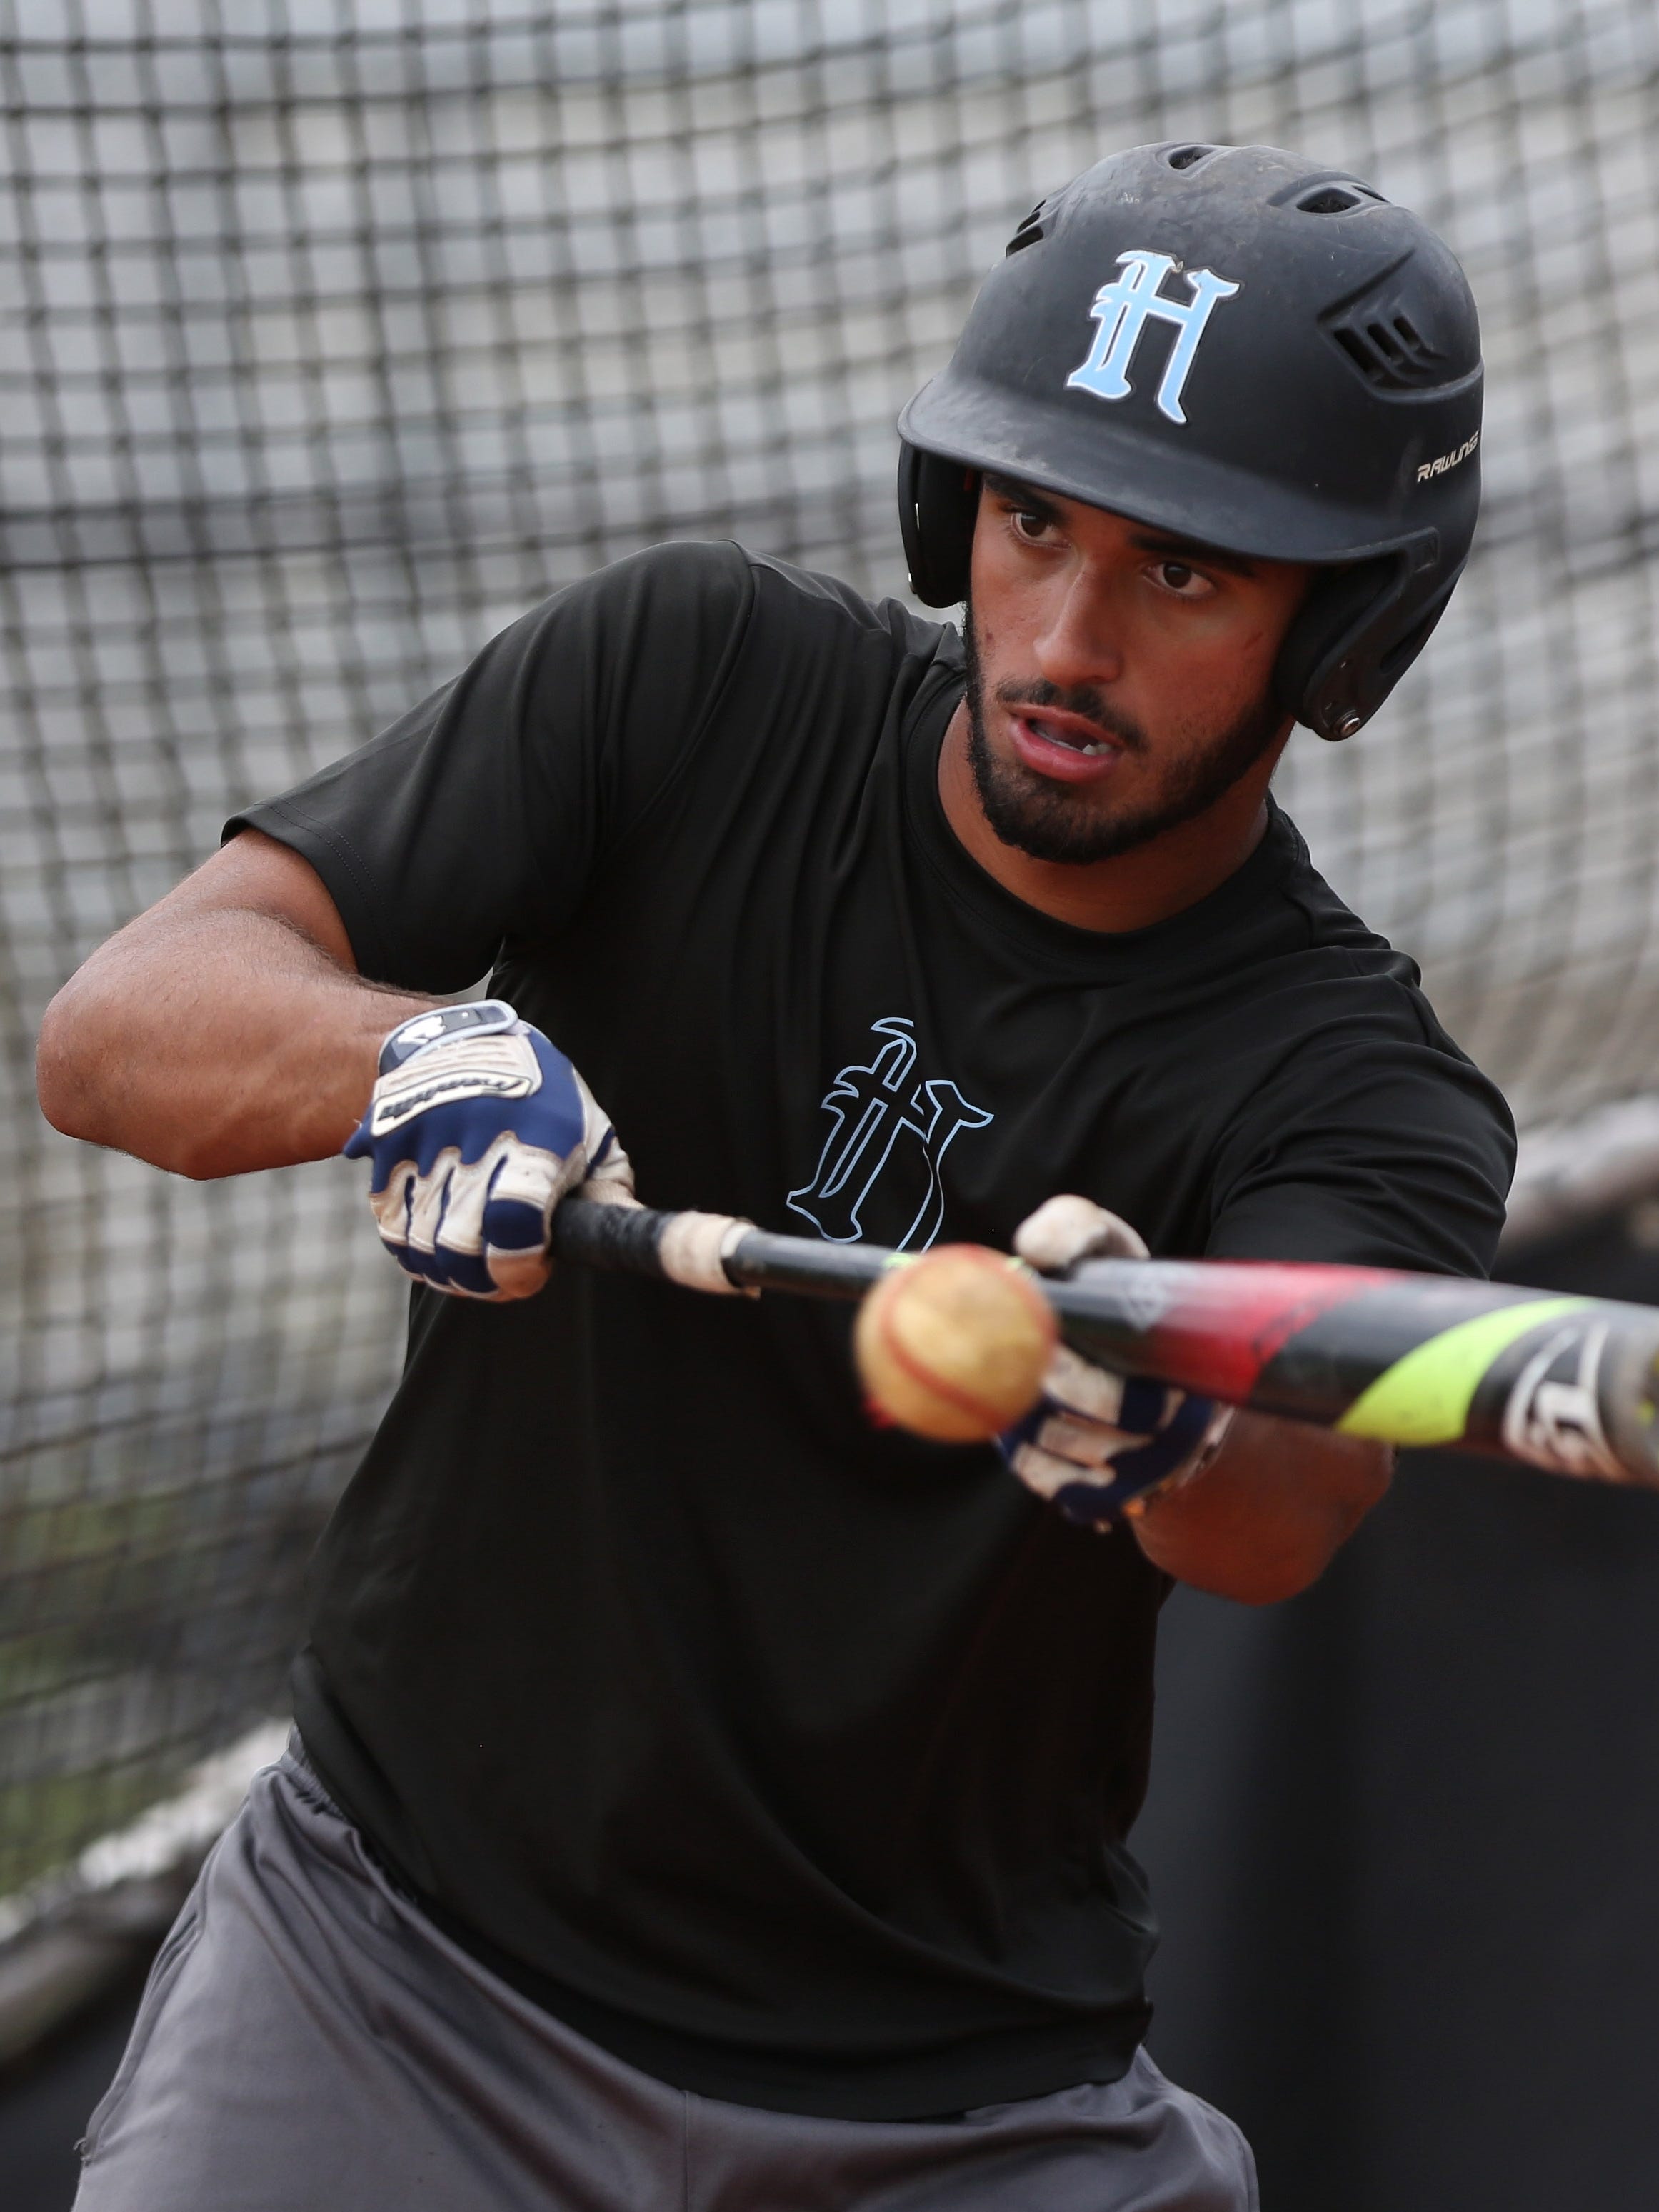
[(687, 1248)]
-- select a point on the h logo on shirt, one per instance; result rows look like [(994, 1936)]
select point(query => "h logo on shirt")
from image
[(878, 1173), (1123, 311)]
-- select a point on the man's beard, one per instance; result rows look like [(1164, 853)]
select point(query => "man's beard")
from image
[(1046, 819)]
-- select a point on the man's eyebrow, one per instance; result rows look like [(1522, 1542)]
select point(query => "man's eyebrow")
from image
[(1189, 550), (1014, 492), (1144, 541)]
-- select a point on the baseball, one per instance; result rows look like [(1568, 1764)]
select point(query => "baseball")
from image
[(954, 1346)]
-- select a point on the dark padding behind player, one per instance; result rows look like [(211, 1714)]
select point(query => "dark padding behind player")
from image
[(699, 1798)]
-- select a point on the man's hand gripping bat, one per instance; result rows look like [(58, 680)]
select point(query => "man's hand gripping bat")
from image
[(1567, 1383)]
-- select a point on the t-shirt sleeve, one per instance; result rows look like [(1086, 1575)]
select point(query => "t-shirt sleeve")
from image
[(1377, 1144), (476, 822)]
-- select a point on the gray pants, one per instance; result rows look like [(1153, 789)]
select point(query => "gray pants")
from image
[(308, 2038)]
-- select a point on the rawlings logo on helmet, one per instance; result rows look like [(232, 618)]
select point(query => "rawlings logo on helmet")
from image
[(1123, 309), (1438, 466)]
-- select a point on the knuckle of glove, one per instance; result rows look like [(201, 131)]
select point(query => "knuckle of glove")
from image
[(1082, 1388), (1099, 1446), (604, 1162), (1085, 1444), (1067, 1228)]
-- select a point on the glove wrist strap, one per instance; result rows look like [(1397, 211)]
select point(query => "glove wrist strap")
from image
[(478, 1017)]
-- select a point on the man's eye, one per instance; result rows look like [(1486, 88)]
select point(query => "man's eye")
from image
[(1029, 524), (1176, 576)]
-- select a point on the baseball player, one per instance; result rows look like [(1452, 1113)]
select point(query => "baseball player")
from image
[(700, 1798)]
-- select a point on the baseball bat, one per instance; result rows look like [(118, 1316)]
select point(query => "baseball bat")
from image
[(1564, 1382)]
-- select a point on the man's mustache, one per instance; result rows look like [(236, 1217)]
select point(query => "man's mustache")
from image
[(1084, 702)]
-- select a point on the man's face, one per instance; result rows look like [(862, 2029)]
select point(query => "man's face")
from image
[(1118, 678)]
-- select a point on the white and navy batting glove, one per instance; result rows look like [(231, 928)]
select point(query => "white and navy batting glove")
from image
[(477, 1126), (1098, 1444)]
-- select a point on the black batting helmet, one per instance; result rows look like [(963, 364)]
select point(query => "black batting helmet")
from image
[(1233, 345)]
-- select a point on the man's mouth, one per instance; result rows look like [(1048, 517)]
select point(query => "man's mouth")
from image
[(1063, 747)]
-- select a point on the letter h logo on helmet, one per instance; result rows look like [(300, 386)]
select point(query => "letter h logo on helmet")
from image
[(1123, 309)]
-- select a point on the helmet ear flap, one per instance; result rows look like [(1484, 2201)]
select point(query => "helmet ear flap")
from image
[(1357, 632), (939, 502), (1398, 657), (1319, 677)]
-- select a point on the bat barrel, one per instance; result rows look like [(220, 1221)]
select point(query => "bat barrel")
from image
[(1579, 1397), (1567, 1383)]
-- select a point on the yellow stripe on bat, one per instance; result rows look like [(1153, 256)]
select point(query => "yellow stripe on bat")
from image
[(1425, 1398)]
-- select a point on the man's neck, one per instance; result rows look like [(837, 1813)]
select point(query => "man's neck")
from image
[(1132, 890)]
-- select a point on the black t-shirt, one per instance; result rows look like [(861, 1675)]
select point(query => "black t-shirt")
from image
[(792, 1760)]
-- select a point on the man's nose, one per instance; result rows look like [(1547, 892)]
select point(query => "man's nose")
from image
[(1081, 643)]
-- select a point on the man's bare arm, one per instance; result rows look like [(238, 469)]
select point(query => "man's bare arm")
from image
[(1267, 1516), (224, 1029)]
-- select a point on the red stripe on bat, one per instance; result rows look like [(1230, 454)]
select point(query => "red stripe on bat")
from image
[(1233, 1316)]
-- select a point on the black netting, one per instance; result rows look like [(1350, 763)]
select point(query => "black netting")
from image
[(334, 334)]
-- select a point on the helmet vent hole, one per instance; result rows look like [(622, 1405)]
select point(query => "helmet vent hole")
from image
[(1185, 156), (1331, 199), (1391, 352), (1031, 230)]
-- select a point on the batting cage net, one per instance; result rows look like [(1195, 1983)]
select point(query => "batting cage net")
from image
[(337, 331)]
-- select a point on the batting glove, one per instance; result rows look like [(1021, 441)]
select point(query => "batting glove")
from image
[(1099, 1446), (477, 1126)]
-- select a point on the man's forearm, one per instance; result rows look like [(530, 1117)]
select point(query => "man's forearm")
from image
[(213, 1036), (1265, 1520)]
